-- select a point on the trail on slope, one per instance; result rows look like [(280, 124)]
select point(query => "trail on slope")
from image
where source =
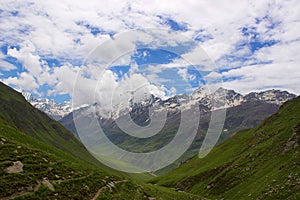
[(109, 185)]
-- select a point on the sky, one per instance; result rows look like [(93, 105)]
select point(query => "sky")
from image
[(165, 47)]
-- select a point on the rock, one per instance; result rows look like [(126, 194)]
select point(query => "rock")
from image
[(17, 167), (3, 140), (47, 184), (29, 188), (151, 198), (290, 143), (1, 143), (111, 184)]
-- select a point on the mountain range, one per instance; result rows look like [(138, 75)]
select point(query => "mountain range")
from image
[(40, 159), (242, 112), (201, 96)]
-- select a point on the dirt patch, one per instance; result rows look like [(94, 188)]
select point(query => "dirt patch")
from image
[(109, 186)]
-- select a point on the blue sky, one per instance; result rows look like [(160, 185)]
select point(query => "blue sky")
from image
[(252, 46)]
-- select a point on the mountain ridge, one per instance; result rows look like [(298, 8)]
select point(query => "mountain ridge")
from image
[(200, 95), (258, 163)]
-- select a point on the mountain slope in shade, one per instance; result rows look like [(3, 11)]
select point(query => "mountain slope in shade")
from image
[(260, 163), (18, 113)]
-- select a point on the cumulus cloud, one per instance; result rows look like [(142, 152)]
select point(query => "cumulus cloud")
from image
[(112, 94), (261, 77), (68, 31), (4, 65), (30, 61), (24, 80)]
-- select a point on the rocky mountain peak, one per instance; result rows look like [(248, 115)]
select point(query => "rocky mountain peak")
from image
[(270, 96), (49, 106)]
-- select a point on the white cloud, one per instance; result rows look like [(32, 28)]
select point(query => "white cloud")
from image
[(30, 61), (111, 94), (23, 81), (260, 77), (4, 65), (59, 29)]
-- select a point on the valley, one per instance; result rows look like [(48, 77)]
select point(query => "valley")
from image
[(260, 163)]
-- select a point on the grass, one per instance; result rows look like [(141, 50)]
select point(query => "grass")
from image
[(260, 163), (72, 178)]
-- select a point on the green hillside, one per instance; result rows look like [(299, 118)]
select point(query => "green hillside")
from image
[(246, 115), (16, 112), (260, 163), (42, 160), (71, 178)]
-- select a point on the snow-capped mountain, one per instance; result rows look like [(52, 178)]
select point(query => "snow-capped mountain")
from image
[(270, 96), (206, 100), (49, 106), (243, 111)]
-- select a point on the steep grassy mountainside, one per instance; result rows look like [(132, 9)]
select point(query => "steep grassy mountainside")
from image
[(18, 113), (42, 160), (30, 169), (244, 116), (260, 163)]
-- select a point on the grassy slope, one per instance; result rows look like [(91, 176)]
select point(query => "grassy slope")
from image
[(260, 163), (72, 178), (18, 113), (47, 150)]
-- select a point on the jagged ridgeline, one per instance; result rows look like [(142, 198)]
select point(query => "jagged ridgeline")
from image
[(259, 163)]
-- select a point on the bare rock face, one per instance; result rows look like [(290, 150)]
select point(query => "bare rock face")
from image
[(17, 167)]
